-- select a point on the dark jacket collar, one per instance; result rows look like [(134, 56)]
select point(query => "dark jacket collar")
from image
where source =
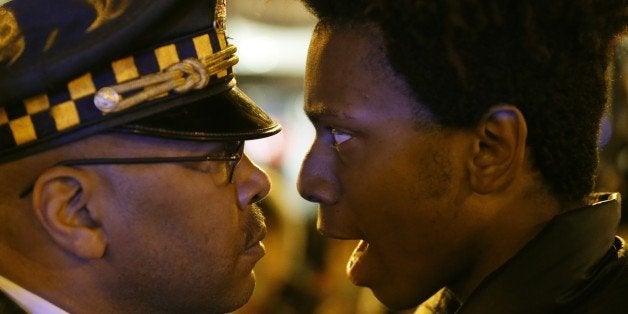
[(557, 266)]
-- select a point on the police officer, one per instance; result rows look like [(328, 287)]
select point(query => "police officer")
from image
[(124, 183)]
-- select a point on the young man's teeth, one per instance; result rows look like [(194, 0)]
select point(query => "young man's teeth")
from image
[(357, 254)]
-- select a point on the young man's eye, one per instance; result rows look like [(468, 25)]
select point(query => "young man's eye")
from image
[(340, 137)]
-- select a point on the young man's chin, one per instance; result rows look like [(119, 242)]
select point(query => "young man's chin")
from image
[(394, 301)]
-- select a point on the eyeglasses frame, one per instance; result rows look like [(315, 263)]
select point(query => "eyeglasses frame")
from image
[(233, 157)]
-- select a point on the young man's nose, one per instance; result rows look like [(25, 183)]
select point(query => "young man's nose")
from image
[(317, 182)]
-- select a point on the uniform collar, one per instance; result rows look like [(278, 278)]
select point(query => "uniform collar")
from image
[(27, 300)]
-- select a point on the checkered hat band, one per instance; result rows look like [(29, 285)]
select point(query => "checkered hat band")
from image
[(47, 115)]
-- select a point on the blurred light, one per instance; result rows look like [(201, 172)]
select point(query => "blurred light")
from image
[(258, 55), (269, 49), (268, 150)]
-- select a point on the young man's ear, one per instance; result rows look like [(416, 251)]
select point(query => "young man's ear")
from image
[(499, 149), (60, 200)]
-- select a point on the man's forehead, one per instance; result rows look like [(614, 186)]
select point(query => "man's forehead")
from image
[(339, 56), (365, 38)]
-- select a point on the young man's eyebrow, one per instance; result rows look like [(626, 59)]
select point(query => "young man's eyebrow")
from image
[(318, 112)]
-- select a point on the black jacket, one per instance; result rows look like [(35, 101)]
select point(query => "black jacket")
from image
[(576, 264)]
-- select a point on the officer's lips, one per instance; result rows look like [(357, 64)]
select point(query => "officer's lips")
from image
[(254, 245), (356, 266), (253, 248)]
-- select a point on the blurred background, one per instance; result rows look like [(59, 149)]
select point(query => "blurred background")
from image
[(302, 271)]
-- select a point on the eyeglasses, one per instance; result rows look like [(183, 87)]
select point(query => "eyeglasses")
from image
[(231, 152)]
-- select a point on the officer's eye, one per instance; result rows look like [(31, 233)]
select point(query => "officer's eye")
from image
[(231, 148), (340, 136)]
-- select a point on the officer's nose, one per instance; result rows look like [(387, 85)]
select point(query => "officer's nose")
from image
[(252, 182)]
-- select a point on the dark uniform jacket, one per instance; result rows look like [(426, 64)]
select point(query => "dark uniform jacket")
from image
[(575, 265)]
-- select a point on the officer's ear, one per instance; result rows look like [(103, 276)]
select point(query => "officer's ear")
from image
[(499, 149), (60, 199)]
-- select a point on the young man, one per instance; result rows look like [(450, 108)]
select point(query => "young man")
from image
[(124, 185), (457, 141)]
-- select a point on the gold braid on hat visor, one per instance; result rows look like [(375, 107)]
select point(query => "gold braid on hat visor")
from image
[(181, 77)]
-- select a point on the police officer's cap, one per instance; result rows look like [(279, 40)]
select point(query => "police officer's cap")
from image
[(71, 68)]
